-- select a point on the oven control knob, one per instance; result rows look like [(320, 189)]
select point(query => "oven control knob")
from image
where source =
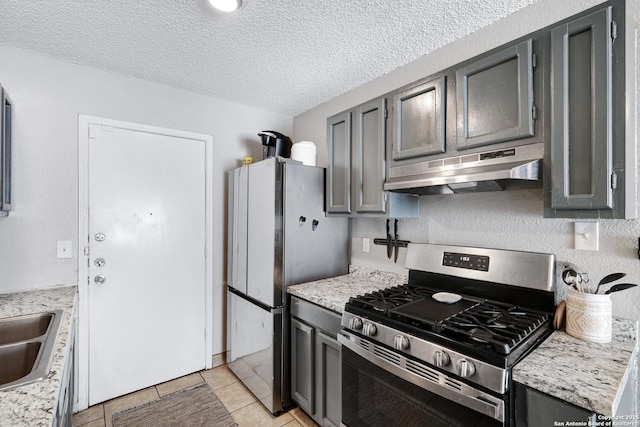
[(400, 342), (355, 323), (440, 358), (465, 368), (369, 329)]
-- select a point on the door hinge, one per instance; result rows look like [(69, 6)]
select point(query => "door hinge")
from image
[(614, 31), (534, 61), (386, 113), (534, 112), (205, 250), (86, 251), (614, 181)]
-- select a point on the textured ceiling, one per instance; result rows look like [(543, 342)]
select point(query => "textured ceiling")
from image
[(285, 56)]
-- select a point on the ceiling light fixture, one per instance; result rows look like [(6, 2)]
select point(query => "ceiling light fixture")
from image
[(226, 5)]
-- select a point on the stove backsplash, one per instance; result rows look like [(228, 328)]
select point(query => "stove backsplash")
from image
[(510, 220)]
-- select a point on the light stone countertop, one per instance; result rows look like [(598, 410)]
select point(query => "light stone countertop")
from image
[(334, 293), (35, 404), (589, 375)]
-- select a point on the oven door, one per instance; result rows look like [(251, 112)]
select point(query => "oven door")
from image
[(381, 387)]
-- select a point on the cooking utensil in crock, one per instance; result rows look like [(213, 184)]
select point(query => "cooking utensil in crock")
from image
[(608, 279), (570, 277), (619, 287)]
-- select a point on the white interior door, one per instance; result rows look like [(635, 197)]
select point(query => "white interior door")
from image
[(146, 263)]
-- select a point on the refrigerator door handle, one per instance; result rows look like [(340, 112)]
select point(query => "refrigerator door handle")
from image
[(265, 307)]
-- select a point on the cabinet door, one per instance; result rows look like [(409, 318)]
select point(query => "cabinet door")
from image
[(338, 190), (418, 120), (494, 97), (329, 380), (537, 409), (303, 365), (581, 141), (369, 156)]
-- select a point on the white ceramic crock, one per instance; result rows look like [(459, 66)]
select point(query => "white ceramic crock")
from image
[(589, 316)]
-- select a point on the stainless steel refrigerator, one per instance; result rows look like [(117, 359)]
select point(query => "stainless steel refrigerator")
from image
[(278, 236)]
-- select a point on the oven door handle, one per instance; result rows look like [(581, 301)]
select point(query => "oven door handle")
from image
[(425, 377)]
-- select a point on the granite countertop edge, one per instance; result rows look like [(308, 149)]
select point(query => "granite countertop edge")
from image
[(35, 404), (565, 367), (334, 292)]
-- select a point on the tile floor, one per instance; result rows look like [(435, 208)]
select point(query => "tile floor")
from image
[(243, 406)]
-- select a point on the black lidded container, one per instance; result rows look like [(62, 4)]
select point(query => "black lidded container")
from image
[(275, 144)]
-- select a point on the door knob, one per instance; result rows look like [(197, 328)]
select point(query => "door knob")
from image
[(100, 237), (99, 279), (99, 262)]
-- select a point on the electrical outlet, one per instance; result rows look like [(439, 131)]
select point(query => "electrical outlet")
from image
[(366, 245), (586, 236), (64, 249)]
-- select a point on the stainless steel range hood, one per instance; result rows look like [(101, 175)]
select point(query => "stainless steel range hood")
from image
[(510, 168)]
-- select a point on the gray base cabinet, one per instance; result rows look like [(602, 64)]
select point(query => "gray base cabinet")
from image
[(536, 409), (64, 408), (315, 362)]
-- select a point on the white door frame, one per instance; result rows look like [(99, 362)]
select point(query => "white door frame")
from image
[(83, 231)]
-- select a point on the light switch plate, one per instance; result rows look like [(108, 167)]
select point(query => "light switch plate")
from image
[(64, 249), (586, 235)]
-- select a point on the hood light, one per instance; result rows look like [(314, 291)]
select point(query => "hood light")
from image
[(226, 5)]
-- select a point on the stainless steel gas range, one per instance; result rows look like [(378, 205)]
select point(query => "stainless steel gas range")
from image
[(438, 351)]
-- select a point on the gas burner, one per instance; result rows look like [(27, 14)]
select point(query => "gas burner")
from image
[(390, 298), (497, 326), (480, 335)]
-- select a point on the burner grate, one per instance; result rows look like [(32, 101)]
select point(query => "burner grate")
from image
[(390, 298), (500, 327)]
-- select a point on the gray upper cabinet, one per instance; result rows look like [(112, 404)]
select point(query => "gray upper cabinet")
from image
[(494, 97), (368, 151), (356, 172), (419, 119), (591, 151), (581, 146), (338, 191)]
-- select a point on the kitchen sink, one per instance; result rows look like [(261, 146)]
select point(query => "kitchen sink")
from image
[(27, 344), (24, 328)]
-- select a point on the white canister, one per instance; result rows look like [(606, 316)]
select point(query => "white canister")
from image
[(305, 152), (589, 316)]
